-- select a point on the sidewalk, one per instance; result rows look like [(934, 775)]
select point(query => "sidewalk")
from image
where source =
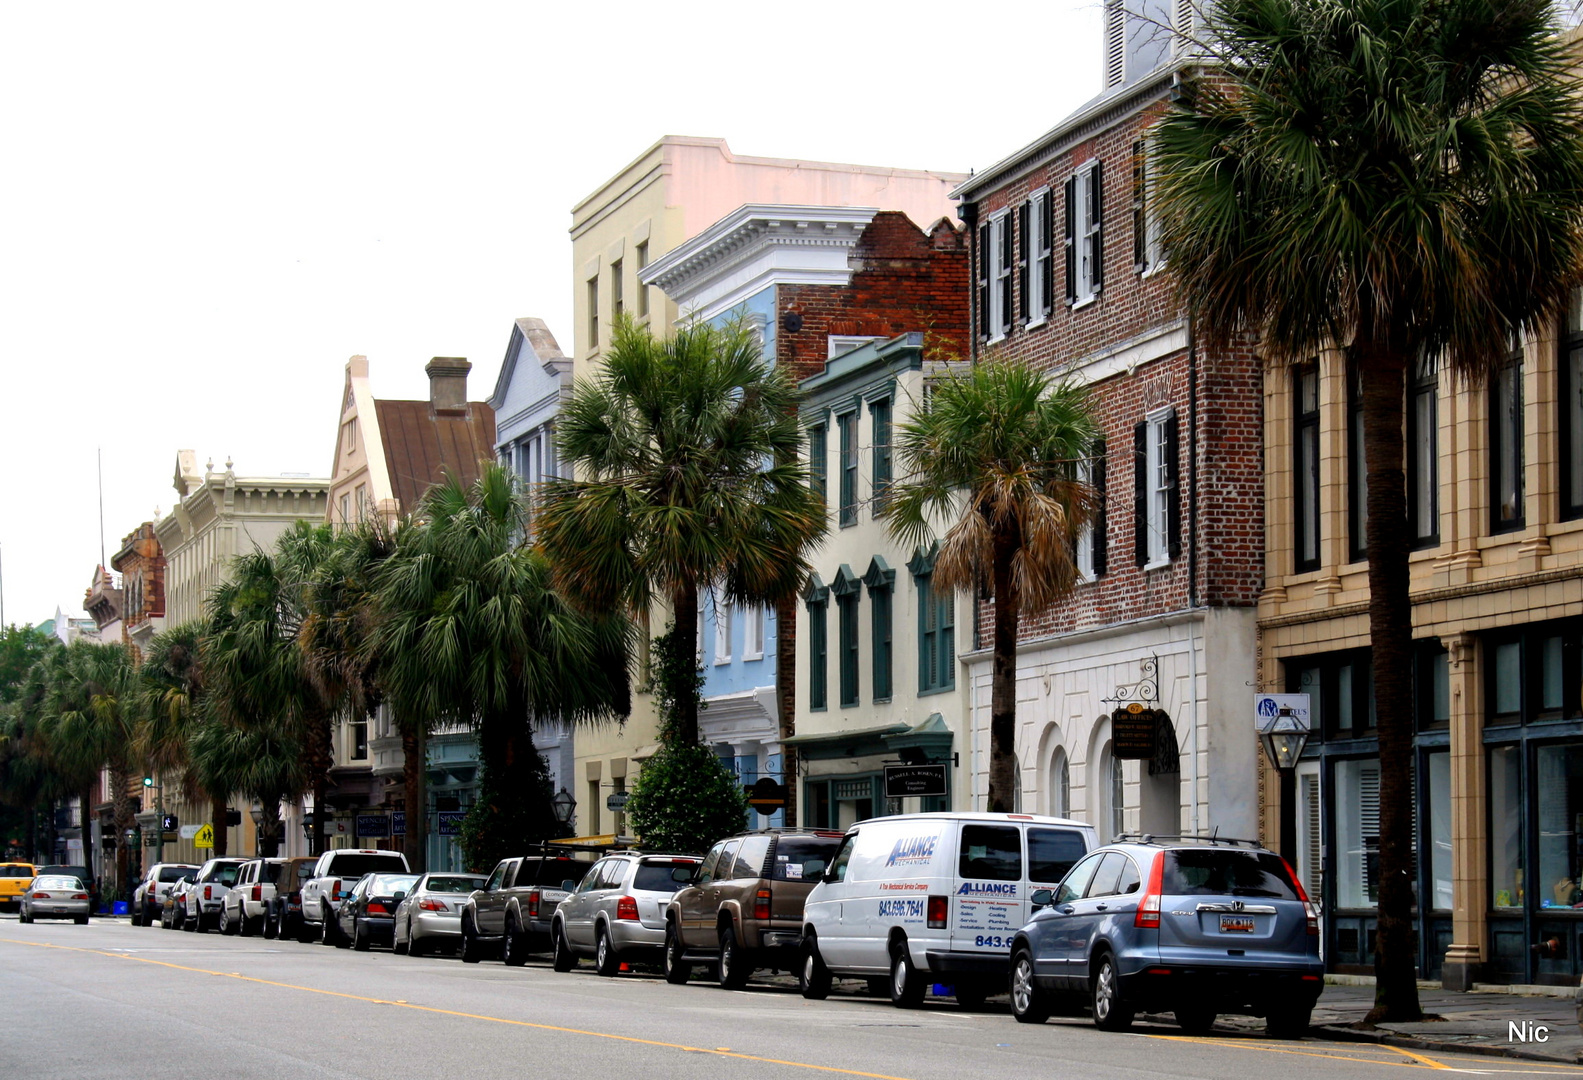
[(1476, 1022)]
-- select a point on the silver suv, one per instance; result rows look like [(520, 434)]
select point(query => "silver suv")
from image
[(1198, 926), (617, 912)]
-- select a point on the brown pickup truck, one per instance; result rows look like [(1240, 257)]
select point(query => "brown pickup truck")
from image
[(743, 908), (512, 915)]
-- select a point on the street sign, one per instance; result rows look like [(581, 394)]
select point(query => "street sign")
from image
[(617, 801), (766, 796), (1266, 707), (204, 837), (1132, 734), (189, 831), (373, 825), (902, 781)]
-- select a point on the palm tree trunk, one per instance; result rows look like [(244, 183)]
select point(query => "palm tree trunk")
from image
[(786, 697), (1003, 777), (85, 819), (222, 835), (320, 755), (1391, 640), (683, 726), (119, 777), (414, 774)]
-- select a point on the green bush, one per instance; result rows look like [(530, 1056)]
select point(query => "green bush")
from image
[(512, 814), (685, 799)]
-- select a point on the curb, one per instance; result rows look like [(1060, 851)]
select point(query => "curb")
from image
[(1333, 1033)]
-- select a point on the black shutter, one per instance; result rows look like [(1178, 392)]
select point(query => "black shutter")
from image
[(1071, 239), (1140, 501), (1006, 264), (1097, 469), (983, 281), (1022, 260), (1096, 215), (1173, 501), (1047, 227), (1140, 221)]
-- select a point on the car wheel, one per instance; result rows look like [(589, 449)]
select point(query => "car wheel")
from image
[(248, 926), (677, 970), (271, 928), (191, 924), (606, 962), (304, 931), (415, 944), (1029, 1004), (813, 978), (331, 931), (360, 940), (1288, 1020), (343, 940), (472, 949), (514, 946), (1195, 1019), (561, 956), (1111, 1013), (733, 969), (224, 923), (23, 917), (906, 986), (398, 944)]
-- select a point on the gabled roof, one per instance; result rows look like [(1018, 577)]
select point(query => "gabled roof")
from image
[(423, 446), (531, 336)]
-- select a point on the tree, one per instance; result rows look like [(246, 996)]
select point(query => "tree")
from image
[(20, 648), (686, 453), (1393, 179), (995, 451), (470, 630)]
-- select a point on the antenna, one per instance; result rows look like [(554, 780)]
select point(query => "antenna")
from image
[(99, 451)]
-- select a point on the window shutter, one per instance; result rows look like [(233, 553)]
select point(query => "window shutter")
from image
[(1047, 228), (1140, 221), (1096, 218), (1173, 498), (1022, 260), (983, 281), (1071, 238), (1006, 264), (1140, 501), (1100, 540)]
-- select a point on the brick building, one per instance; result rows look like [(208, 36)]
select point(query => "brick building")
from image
[(1069, 277), (141, 563)]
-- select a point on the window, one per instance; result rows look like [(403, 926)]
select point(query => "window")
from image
[(722, 628), (818, 645), (991, 853), (1052, 852), (936, 630), (1506, 446), (1357, 832), (1060, 784), (1156, 525), (752, 633), (750, 857), (847, 432), (836, 344), (1091, 555), (593, 313), (818, 460), (360, 499), (1534, 673), (1076, 883), (1148, 253), (1423, 453), (995, 272), (346, 508), (617, 291), (1357, 468), (1506, 830), (847, 589), (357, 739), (1340, 689), (1118, 796), (880, 580), (1038, 288), (643, 290), (1084, 234), (879, 413), (1571, 400)]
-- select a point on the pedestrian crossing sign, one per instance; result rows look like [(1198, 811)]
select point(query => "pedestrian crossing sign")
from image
[(204, 838)]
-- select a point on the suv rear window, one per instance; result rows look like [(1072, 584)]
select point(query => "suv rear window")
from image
[(1226, 872), (174, 873), (358, 865), (803, 858), (656, 877), (224, 875)]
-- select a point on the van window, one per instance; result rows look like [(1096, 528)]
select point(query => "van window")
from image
[(1052, 852), (804, 858), (750, 860), (991, 852), (1075, 882), (842, 858)]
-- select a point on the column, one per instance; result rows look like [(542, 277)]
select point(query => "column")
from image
[(1464, 958)]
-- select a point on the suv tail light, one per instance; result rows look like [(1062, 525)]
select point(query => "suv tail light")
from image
[(258, 892), (208, 892), (533, 904), (1148, 915), (939, 911), (627, 908), (1308, 909), (761, 904)]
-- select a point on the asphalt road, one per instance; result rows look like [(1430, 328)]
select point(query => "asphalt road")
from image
[(113, 1000)]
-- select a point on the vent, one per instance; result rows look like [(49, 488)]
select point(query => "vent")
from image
[(1185, 22), (1115, 44), (1313, 867)]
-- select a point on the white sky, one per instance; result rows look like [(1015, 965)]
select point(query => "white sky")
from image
[(208, 207)]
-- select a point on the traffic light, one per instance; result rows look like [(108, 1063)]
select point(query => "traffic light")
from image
[(169, 823), (148, 781)]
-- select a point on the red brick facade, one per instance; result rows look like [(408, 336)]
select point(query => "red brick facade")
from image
[(141, 564)]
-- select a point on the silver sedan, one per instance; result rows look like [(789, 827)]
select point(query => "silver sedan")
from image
[(55, 897), (431, 914)]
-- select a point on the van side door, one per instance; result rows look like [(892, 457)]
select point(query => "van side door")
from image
[(828, 916), (987, 904)]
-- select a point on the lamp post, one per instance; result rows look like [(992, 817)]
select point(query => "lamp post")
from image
[(1283, 737), (564, 804)]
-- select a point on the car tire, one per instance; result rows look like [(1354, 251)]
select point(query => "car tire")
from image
[(344, 940), (733, 968), (271, 928), (223, 924), (398, 944), (561, 956), (305, 933), (606, 962), (360, 940), (906, 985), (677, 970), (247, 926), (190, 925), (415, 944), (1029, 1004), (1195, 1019), (331, 931), (813, 978), (1111, 1013), (81, 920), (1288, 1020), (471, 949), (514, 946), (23, 917)]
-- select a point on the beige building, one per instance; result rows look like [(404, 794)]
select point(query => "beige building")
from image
[(1495, 505)]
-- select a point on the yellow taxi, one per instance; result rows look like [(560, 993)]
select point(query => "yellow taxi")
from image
[(15, 877)]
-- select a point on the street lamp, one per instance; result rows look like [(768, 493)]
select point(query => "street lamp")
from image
[(1284, 735), (563, 804)]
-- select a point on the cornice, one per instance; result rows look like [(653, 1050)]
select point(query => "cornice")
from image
[(753, 228)]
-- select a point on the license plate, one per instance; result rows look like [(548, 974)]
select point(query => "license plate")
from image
[(1236, 924)]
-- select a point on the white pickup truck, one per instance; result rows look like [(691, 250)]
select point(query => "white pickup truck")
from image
[(207, 893), (332, 879)]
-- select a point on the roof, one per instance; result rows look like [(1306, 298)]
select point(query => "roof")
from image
[(422, 447)]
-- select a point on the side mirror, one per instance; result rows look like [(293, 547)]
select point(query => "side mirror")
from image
[(568, 884), (399, 897), (1042, 898)]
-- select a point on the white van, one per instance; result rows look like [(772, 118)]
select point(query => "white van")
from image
[(933, 898)]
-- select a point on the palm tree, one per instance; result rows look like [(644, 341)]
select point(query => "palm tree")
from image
[(174, 709), (995, 451), (469, 630), (686, 453), (1394, 179)]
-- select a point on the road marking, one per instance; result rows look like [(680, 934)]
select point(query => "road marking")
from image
[(1418, 1057), (465, 1015), (1497, 1066)]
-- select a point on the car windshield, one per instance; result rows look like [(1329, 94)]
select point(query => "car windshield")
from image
[(16, 871), (803, 858), (1226, 872), (385, 884), (453, 883), (354, 866), (657, 877), (57, 882), (174, 873)]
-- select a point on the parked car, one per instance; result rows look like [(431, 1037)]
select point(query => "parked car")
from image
[(202, 899), (511, 915), (81, 873), (242, 909), (368, 916), (934, 898), (743, 909), (15, 877), (332, 878), (617, 912), (149, 896), (431, 912), (283, 911), (55, 896), (173, 908), (1198, 926)]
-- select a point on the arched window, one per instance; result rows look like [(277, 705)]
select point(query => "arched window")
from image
[(1118, 819), (1060, 784)]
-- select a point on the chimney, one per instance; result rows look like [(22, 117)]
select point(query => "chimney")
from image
[(448, 383)]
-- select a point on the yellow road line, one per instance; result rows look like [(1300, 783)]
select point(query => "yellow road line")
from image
[(1417, 1057), (1282, 1050), (464, 1015)]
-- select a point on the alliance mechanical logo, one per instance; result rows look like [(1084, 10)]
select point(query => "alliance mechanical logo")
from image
[(988, 888), (912, 850)]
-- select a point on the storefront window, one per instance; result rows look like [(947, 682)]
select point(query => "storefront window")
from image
[(1357, 832), (1550, 674), (1506, 837), (1558, 785), (1508, 678), (1439, 772)]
